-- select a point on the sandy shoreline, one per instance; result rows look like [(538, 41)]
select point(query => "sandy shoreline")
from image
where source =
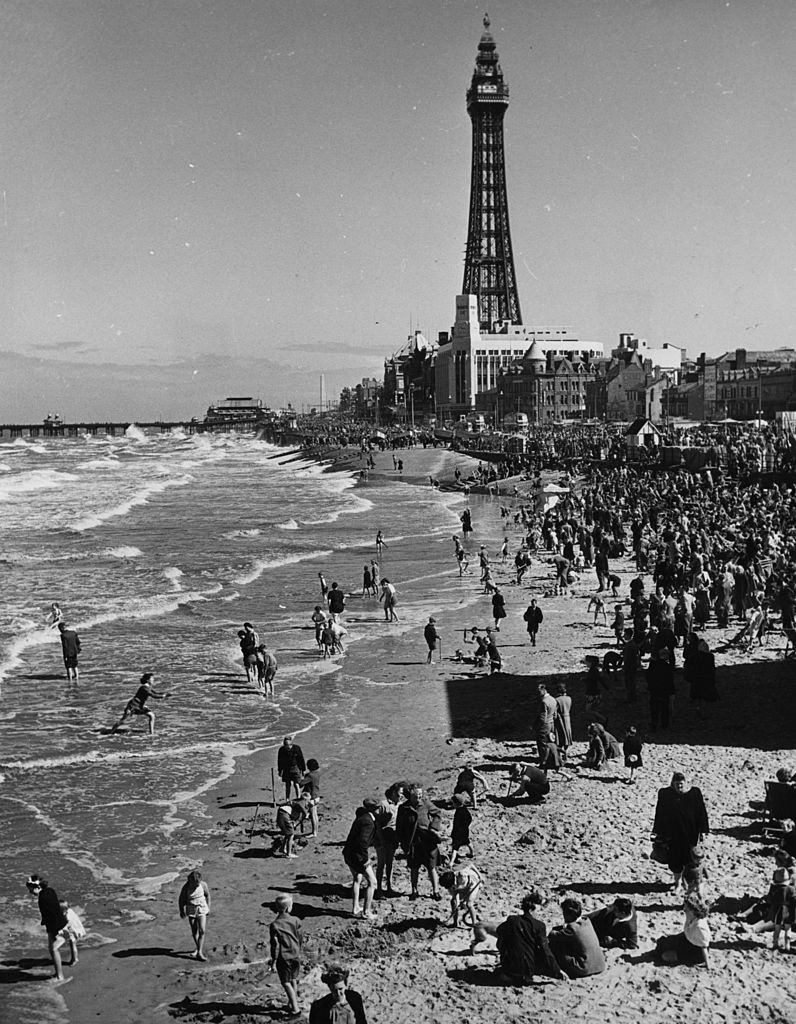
[(591, 837)]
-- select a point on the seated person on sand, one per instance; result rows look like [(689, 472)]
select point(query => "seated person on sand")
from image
[(617, 925), (760, 916), (574, 943), (785, 775), (480, 654), (532, 782), (690, 946), (522, 944), (602, 747)]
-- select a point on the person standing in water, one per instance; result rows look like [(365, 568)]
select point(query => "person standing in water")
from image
[(380, 545), (266, 670), (70, 646)]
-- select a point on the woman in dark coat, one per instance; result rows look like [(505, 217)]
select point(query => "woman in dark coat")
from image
[(681, 820), (699, 671), (498, 608), (523, 947)]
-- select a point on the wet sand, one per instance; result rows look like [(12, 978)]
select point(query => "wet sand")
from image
[(591, 837)]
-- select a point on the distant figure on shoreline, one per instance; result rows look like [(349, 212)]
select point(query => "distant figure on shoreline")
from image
[(266, 670), (290, 766), (55, 616), (380, 545), (388, 597), (249, 642), (70, 645), (534, 617), (336, 602), (431, 636)]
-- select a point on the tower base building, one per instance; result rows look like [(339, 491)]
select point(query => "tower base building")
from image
[(469, 362)]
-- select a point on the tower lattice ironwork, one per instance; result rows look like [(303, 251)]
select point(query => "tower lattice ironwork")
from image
[(489, 262)]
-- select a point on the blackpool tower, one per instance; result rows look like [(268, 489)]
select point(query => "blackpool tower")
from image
[(488, 262)]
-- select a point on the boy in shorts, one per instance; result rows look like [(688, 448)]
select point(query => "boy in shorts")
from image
[(266, 670), (285, 934), (288, 815)]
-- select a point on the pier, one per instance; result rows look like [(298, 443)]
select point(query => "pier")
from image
[(55, 428)]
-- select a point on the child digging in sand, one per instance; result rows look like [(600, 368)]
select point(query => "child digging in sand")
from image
[(464, 885), (73, 931), (285, 935)]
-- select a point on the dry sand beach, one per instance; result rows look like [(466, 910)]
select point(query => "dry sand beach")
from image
[(590, 838)]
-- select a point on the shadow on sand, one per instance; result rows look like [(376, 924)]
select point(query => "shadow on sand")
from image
[(504, 709), (220, 1010)]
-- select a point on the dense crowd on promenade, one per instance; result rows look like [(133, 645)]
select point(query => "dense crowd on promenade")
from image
[(742, 450)]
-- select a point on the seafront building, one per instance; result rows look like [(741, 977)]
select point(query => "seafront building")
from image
[(470, 364)]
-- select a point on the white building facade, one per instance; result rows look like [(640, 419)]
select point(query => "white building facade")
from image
[(468, 363)]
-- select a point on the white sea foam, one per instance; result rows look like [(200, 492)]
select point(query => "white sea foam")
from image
[(173, 574), (4, 467), (33, 480), (289, 524), (31, 446), (103, 463), (141, 497), (262, 564), (235, 534), (354, 506), (136, 434), (150, 607), (123, 552)]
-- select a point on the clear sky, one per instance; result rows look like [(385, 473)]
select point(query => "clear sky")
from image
[(201, 198)]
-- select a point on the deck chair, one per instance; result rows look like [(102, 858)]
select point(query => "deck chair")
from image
[(780, 803)]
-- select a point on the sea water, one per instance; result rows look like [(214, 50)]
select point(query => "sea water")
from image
[(157, 549)]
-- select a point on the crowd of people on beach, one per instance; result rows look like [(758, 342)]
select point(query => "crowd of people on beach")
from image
[(710, 548)]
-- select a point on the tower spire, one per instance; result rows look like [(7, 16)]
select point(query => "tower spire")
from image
[(489, 261)]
